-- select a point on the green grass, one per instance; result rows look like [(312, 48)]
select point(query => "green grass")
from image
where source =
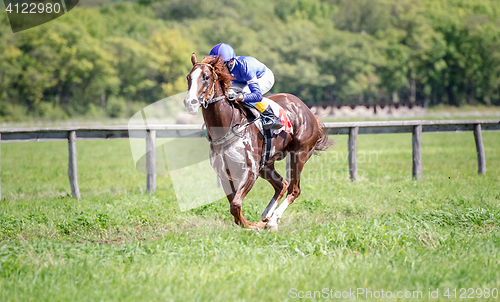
[(118, 244)]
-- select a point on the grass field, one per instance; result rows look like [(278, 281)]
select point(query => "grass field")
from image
[(385, 232)]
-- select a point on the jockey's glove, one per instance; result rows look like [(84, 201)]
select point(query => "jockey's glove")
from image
[(235, 96)]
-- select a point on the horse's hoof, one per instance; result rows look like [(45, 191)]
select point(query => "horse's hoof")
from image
[(272, 228), (260, 225), (254, 226)]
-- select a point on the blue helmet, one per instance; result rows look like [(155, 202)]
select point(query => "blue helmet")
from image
[(224, 50)]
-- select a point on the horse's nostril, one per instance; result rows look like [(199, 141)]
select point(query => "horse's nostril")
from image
[(193, 102)]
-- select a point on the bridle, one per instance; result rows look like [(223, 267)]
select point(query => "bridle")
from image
[(209, 99)]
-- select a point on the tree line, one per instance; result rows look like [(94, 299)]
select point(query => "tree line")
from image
[(111, 59)]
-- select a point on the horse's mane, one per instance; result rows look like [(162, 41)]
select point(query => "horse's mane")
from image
[(225, 78)]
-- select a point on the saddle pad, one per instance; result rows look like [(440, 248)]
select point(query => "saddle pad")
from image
[(281, 114)]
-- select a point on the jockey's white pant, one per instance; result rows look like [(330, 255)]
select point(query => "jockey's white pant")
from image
[(265, 82)]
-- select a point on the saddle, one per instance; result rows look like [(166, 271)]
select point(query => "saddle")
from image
[(253, 117)]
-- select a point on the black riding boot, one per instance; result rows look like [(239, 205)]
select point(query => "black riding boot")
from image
[(269, 120)]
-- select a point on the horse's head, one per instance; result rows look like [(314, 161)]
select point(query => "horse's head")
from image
[(202, 81)]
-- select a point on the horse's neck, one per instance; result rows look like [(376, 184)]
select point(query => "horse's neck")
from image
[(218, 116)]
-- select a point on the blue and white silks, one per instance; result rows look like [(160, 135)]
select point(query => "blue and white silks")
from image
[(252, 77)]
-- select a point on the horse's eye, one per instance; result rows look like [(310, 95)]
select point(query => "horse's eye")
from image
[(206, 77)]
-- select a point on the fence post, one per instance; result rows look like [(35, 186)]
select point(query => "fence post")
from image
[(351, 152), (288, 171), (151, 160), (72, 168), (417, 152), (481, 160)]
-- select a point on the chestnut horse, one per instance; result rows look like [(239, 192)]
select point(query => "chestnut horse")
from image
[(236, 142)]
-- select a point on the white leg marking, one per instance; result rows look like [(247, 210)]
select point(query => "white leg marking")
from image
[(269, 209), (273, 222)]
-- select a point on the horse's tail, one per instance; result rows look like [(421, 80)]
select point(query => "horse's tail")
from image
[(324, 142)]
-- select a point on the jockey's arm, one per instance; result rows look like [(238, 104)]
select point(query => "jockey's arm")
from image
[(255, 94)]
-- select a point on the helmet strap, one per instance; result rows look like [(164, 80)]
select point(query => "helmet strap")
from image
[(230, 68)]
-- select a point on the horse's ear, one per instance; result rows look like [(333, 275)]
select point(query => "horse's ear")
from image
[(218, 58), (193, 58)]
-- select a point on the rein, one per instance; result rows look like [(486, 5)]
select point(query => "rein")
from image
[(209, 99)]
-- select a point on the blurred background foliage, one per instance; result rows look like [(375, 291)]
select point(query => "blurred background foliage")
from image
[(109, 58)]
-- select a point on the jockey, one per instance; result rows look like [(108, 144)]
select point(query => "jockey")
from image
[(253, 79)]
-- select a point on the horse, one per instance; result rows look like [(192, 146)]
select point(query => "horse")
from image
[(235, 141)]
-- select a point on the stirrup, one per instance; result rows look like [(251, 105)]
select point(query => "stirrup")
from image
[(276, 124)]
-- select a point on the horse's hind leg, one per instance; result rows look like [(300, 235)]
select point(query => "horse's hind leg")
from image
[(280, 186), (297, 161)]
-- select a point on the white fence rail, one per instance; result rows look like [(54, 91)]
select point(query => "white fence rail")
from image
[(150, 133)]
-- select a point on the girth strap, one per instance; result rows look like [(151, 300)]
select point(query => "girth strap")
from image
[(266, 148)]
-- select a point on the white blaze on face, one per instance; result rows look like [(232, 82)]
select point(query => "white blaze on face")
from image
[(191, 101)]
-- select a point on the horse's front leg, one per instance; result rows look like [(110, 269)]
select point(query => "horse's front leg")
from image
[(236, 193)]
